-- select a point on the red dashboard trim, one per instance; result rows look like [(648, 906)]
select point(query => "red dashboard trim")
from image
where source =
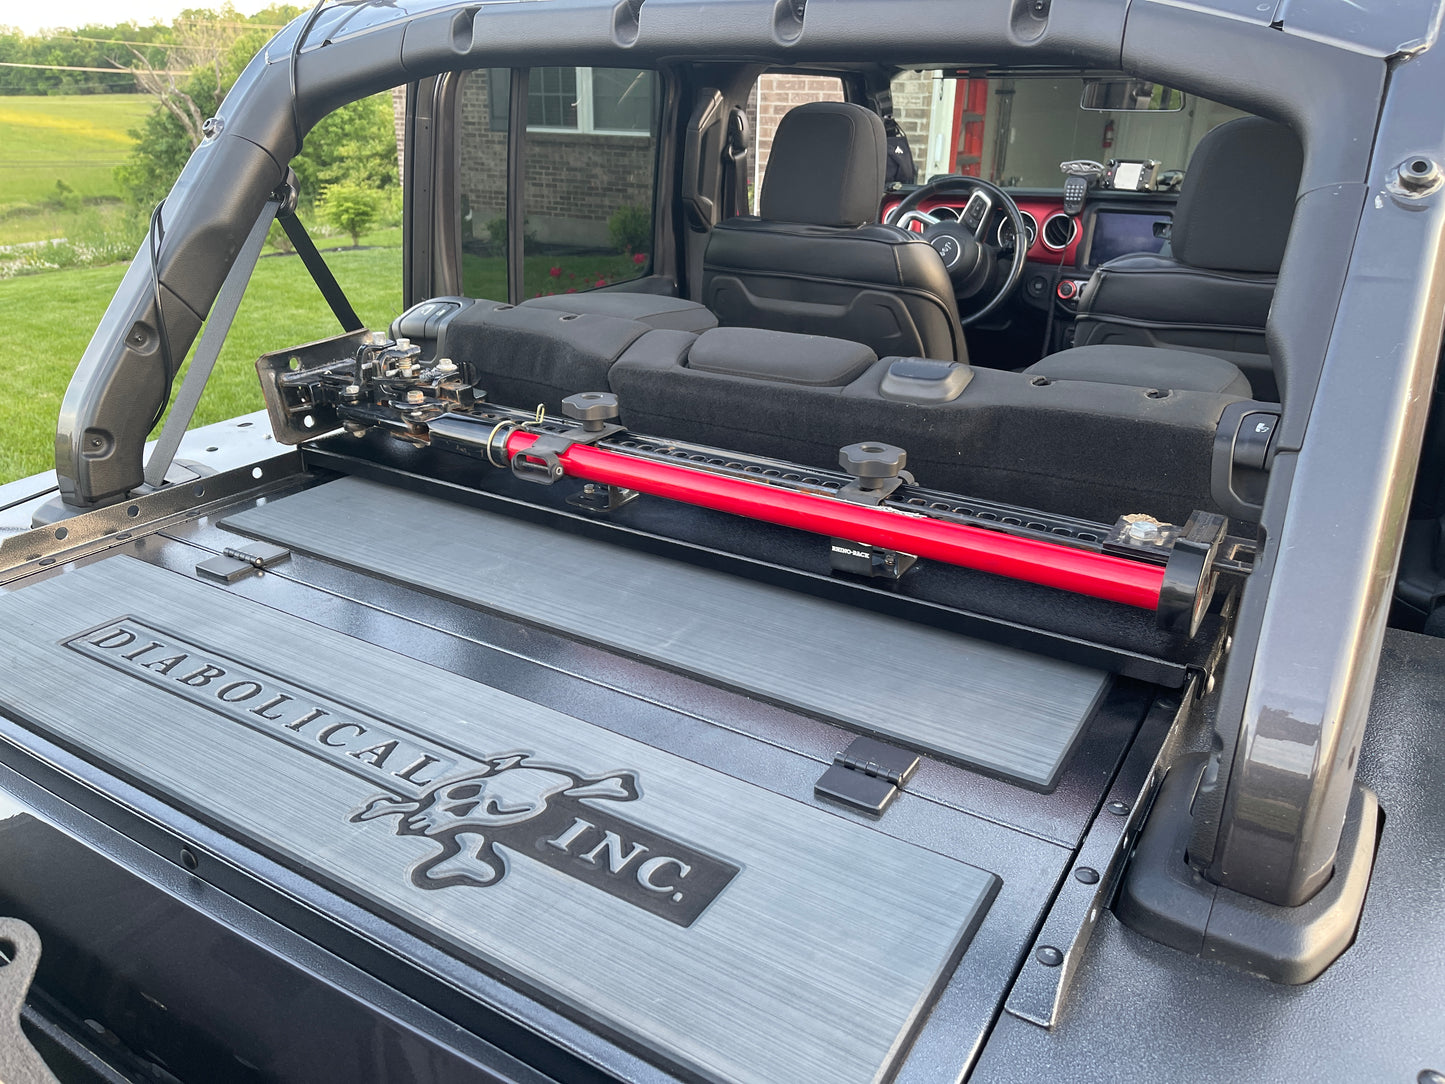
[(1041, 209)]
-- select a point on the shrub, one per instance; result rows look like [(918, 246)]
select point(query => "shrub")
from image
[(630, 228), (350, 208), (495, 232), (63, 198)]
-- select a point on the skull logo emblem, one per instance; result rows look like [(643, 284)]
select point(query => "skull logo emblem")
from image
[(466, 814)]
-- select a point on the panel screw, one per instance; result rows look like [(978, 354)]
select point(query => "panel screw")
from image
[(1415, 177), (1049, 956), (189, 859), (1430, 1076), (1418, 175), (1087, 875), (1118, 808)]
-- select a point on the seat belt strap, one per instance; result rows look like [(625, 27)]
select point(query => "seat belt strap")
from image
[(320, 273), (735, 178)]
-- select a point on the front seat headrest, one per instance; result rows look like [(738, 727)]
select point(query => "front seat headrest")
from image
[(1238, 198), (826, 167)]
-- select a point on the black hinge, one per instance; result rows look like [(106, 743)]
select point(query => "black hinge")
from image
[(867, 775), (240, 561)]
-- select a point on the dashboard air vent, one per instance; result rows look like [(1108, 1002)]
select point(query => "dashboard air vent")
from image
[(1059, 230)]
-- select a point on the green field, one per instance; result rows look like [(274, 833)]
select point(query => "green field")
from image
[(76, 138), (58, 311)]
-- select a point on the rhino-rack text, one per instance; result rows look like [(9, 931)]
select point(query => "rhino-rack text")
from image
[(468, 806)]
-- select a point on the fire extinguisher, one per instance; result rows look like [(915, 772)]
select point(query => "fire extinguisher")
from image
[(1109, 134)]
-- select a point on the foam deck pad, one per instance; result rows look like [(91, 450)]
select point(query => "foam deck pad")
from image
[(1005, 710), (733, 932)]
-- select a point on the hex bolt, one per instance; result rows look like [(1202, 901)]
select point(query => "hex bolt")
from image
[(352, 391), (1048, 956), (446, 365), (376, 338), (1086, 875), (415, 397), (1118, 808), (1418, 175)]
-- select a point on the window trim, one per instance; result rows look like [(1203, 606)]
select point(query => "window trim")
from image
[(585, 114)]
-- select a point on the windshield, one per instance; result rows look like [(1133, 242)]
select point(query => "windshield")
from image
[(1016, 130)]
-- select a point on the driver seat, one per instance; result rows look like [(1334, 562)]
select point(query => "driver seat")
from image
[(816, 261)]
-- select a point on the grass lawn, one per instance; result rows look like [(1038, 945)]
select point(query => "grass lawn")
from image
[(59, 310), (80, 138)]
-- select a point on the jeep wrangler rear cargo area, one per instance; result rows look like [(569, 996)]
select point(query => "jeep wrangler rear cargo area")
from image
[(710, 923)]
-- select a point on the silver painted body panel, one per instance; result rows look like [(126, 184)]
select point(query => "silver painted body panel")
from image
[(1004, 710), (815, 961)]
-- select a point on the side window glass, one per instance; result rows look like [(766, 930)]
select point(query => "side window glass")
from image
[(774, 94), (482, 111), (590, 163)]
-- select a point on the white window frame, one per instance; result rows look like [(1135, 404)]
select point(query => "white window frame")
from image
[(585, 124)]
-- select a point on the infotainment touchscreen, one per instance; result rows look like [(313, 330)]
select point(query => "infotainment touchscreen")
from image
[(1119, 232)]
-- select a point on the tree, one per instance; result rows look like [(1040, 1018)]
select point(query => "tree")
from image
[(349, 207), (354, 145)]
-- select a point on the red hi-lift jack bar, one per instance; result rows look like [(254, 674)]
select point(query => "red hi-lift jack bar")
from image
[(1098, 575), (425, 404)]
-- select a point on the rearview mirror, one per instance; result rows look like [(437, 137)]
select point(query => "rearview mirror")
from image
[(1130, 95)]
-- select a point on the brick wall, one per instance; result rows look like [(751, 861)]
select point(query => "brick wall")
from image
[(912, 104), (776, 94), (398, 121), (573, 182)]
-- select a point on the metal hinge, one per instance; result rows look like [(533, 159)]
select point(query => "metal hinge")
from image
[(239, 561), (867, 775)]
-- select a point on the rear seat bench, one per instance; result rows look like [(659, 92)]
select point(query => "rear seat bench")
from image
[(1086, 447)]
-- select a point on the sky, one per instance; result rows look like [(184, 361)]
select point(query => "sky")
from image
[(52, 14)]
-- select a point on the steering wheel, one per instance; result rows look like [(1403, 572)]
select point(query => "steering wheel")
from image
[(971, 261)]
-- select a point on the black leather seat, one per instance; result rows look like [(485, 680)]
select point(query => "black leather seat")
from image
[(816, 260), (1212, 291)]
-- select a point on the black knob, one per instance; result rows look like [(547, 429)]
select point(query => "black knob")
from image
[(872, 463), (593, 409)]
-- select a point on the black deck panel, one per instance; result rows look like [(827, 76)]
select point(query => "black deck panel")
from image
[(999, 708)]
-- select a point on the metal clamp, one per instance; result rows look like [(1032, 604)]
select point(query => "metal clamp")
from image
[(540, 461)]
